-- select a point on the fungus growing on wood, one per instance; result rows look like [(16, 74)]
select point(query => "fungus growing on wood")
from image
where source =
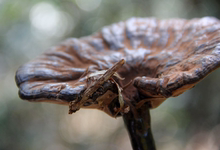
[(125, 69)]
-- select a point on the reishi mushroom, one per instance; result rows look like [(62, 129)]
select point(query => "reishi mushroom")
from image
[(159, 59)]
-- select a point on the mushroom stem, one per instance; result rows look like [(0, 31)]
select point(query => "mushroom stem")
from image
[(139, 129)]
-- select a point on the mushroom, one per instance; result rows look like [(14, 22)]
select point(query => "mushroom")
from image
[(125, 69)]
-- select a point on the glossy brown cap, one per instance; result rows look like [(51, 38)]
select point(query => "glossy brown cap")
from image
[(164, 58)]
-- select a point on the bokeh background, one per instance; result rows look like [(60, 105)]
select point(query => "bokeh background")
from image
[(29, 27)]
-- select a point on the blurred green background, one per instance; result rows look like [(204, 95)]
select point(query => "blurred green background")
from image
[(29, 27)]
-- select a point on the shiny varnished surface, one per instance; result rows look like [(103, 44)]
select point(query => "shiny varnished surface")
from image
[(164, 58), (139, 129)]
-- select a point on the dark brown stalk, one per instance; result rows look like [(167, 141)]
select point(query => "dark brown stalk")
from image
[(139, 129)]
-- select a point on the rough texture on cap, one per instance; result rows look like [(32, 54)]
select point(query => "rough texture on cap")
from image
[(164, 58)]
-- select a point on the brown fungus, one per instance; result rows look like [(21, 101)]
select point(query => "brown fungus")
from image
[(164, 58)]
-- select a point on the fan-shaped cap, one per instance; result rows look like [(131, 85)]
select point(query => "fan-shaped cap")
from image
[(163, 58)]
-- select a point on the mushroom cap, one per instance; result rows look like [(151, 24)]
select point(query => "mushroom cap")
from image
[(164, 58)]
